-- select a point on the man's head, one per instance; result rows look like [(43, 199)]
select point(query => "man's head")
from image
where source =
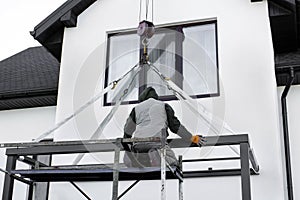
[(148, 93)]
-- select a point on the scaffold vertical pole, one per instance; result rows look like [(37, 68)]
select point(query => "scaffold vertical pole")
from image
[(163, 165), (245, 171), (180, 182), (9, 180), (116, 171)]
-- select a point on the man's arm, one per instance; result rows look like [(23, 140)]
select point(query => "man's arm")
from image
[(174, 124), (130, 125)]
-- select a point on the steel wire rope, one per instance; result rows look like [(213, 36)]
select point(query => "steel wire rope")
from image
[(140, 11), (110, 86), (147, 7), (182, 96), (152, 10), (109, 116), (204, 110)]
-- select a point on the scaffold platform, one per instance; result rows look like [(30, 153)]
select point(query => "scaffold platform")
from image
[(43, 172)]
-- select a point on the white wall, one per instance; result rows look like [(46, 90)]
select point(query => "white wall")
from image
[(248, 98), (23, 125), (294, 129)]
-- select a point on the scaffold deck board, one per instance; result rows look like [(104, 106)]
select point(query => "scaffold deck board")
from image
[(125, 174)]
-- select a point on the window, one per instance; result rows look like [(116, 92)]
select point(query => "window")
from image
[(186, 53)]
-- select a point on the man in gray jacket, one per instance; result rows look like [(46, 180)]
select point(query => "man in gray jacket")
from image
[(148, 119)]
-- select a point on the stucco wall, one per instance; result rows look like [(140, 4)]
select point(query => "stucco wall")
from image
[(23, 125), (248, 99)]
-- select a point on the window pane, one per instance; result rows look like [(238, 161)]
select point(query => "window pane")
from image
[(200, 60), (162, 55), (123, 55), (190, 60)]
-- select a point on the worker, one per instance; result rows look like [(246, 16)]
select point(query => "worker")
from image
[(148, 119)]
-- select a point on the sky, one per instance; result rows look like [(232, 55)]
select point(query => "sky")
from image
[(17, 19)]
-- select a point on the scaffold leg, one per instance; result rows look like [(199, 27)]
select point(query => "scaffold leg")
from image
[(116, 174), (245, 171), (180, 190), (9, 181), (41, 190), (163, 173), (180, 182), (163, 153)]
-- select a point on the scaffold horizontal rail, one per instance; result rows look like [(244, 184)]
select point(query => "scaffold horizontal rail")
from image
[(88, 146), (96, 174), (176, 143)]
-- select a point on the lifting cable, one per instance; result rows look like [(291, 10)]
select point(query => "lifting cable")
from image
[(146, 10), (185, 98), (96, 135), (110, 87)]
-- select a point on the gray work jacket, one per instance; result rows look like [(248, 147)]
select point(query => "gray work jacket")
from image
[(149, 117)]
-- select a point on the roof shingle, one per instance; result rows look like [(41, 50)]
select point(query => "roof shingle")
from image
[(31, 74)]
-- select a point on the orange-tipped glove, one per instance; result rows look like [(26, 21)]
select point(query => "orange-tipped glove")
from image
[(198, 140)]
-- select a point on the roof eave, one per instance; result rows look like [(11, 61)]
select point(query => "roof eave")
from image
[(50, 31)]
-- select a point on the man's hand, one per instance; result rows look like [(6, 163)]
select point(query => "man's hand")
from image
[(198, 140)]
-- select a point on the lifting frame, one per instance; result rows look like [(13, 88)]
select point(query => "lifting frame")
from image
[(41, 172)]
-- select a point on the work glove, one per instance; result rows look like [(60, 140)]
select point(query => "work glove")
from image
[(199, 140)]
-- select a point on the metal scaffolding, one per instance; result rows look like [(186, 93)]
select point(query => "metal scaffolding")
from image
[(115, 172)]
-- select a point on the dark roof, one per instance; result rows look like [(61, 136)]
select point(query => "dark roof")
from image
[(50, 31), (290, 58), (283, 63), (285, 26), (29, 79)]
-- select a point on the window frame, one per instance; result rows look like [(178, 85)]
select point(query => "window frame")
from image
[(178, 59)]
